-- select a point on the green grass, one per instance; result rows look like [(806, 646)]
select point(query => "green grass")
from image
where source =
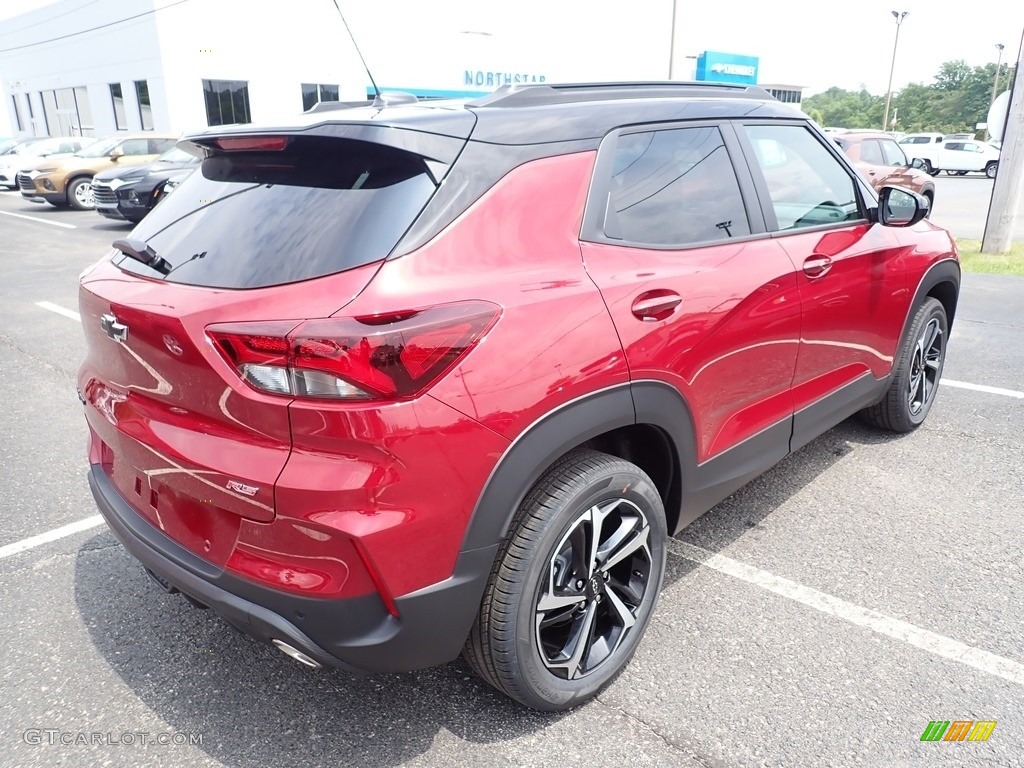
[(973, 260)]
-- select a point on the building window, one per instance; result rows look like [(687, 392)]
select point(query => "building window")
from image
[(117, 99), (17, 113), (66, 111), (84, 111), (145, 108), (312, 93), (227, 101)]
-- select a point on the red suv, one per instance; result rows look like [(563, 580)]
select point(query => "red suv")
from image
[(389, 384)]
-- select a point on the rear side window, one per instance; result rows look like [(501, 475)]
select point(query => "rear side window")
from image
[(807, 185), (254, 219), (674, 187)]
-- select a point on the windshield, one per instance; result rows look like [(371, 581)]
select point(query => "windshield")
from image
[(44, 147), (101, 148), (176, 155)]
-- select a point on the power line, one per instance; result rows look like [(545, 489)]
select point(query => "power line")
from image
[(91, 29)]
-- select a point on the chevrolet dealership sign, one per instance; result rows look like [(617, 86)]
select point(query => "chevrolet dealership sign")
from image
[(716, 67)]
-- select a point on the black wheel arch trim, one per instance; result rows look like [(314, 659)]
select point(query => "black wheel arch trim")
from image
[(945, 271), (645, 402), (535, 449)]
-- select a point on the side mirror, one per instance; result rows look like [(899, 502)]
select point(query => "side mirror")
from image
[(116, 154), (918, 163), (898, 207)]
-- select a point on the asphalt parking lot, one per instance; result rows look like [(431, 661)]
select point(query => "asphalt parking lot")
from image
[(822, 616)]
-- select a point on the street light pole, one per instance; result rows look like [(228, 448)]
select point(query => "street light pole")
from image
[(888, 91)]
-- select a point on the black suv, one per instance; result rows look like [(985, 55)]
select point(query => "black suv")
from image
[(129, 193)]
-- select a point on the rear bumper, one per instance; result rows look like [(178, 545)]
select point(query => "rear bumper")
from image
[(352, 633)]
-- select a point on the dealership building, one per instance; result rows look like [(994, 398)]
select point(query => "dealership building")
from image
[(97, 67)]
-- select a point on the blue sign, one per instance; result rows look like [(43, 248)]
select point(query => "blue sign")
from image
[(716, 67)]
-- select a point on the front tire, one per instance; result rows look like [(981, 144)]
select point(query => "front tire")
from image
[(915, 379), (80, 195), (573, 585), (990, 170)]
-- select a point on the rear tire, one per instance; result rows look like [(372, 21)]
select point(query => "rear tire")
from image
[(561, 616), (915, 378), (929, 169)]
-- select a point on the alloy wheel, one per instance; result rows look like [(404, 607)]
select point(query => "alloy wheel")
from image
[(83, 195), (595, 584), (924, 367)]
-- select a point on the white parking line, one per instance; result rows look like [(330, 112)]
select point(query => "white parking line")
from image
[(933, 643), (41, 221), (57, 533), (983, 388), (59, 310)]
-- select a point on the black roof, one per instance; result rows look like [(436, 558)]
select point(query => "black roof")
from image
[(541, 113)]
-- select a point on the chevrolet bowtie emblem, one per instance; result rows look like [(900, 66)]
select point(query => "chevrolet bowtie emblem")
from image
[(115, 331)]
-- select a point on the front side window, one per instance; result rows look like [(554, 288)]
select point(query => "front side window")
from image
[(870, 152), (674, 188), (145, 108), (135, 147), (808, 186), (892, 154), (227, 102)]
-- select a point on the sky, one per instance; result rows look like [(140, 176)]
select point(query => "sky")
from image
[(811, 44)]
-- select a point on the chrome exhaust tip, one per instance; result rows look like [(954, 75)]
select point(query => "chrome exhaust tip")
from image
[(296, 654)]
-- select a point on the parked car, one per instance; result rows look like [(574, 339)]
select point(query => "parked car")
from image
[(130, 193), (31, 151), (880, 159), (386, 385), (955, 156), (67, 180), (960, 157), (923, 146)]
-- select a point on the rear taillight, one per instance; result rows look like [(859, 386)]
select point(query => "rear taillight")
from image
[(395, 356)]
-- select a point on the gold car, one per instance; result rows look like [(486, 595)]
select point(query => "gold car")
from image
[(67, 180)]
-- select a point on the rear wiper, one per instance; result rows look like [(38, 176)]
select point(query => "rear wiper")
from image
[(142, 253)]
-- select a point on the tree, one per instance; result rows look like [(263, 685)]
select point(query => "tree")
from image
[(955, 102)]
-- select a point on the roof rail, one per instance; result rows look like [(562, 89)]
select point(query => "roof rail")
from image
[(560, 93)]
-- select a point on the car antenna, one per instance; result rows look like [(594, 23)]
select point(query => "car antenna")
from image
[(376, 90)]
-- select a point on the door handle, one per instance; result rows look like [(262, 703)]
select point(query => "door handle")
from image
[(658, 304), (817, 266)]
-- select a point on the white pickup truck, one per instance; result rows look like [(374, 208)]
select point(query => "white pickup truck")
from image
[(955, 156)]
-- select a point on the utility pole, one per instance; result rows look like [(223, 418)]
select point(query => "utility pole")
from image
[(995, 84), (888, 91), (672, 44), (1006, 192)]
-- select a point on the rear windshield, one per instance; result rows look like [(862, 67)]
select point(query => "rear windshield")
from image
[(254, 219)]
